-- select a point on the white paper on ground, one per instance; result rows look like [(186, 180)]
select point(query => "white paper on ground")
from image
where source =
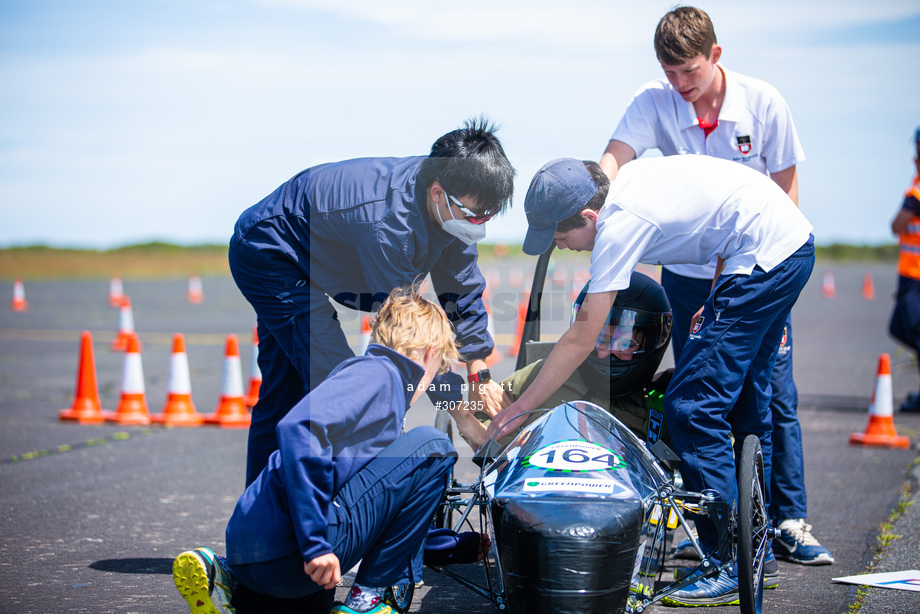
[(902, 580)]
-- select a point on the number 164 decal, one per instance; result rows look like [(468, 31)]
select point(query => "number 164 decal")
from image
[(575, 456)]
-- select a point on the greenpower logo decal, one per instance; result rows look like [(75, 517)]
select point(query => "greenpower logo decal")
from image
[(575, 456)]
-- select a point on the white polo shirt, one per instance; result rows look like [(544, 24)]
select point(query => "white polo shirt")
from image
[(755, 129), (692, 209)]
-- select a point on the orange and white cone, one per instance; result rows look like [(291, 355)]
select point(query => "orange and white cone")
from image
[(19, 302), (132, 408), (116, 292), (231, 408), (579, 280), (522, 319), (179, 409), (560, 275), (125, 326), (516, 277), (195, 290), (86, 408), (868, 288), (880, 430), (496, 356), (828, 288), (255, 373), (365, 339)]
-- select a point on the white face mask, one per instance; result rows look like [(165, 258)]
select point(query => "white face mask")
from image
[(466, 231)]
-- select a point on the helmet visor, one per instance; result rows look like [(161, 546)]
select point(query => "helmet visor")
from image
[(633, 332)]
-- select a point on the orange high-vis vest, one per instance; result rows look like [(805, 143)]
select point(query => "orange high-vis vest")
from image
[(909, 262)]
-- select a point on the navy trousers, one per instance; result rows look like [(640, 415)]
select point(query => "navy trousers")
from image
[(905, 319), (300, 341), (721, 383), (787, 488), (380, 518)]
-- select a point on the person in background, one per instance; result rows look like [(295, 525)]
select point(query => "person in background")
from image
[(905, 319), (351, 232), (344, 485), (701, 107)]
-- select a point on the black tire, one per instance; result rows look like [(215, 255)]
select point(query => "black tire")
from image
[(443, 423), (753, 529), (399, 597), (443, 516)]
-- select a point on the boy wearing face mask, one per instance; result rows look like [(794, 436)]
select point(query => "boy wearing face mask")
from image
[(352, 231)]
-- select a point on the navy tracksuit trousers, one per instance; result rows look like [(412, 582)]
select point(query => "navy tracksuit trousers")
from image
[(722, 380)]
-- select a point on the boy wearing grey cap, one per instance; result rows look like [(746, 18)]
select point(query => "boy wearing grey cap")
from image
[(682, 209)]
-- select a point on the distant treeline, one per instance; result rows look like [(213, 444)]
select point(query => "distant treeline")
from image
[(159, 259)]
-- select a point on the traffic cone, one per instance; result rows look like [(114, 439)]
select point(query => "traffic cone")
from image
[(493, 278), (880, 430), (125, 326), (522, 319), (195, 291), (19, 302), (516, 277), (579, 280), (255, 373), (86, 408), (179, 409), (365, 339), (560, 275), (868, 289), (132, 408), (231, 409), (116, 292), (496, 356), (828, 288)]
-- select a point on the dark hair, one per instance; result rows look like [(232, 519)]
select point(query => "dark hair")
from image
[(683, 34), (596, 202), (470, 161)]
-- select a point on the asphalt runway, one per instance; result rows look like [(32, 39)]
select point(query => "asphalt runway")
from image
[(92, 516)]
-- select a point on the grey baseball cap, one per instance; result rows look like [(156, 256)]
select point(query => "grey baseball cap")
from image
[(558, 191)]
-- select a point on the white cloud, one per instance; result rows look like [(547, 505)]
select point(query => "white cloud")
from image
[(196, 127)]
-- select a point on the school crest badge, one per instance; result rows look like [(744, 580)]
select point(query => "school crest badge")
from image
[(744, 144), (698, 324)]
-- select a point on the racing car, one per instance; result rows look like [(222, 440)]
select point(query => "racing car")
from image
[(579, 512)]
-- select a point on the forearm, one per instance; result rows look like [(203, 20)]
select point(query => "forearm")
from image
[(720, 266)]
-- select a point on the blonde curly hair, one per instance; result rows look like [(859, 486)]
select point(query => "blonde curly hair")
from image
[(407, 323)]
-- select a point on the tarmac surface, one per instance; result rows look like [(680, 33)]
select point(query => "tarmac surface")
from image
[(91, 517)]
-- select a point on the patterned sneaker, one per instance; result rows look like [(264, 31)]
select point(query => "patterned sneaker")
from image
[(204, 582), (684, 548), (721, 590), (380, 608), (796, 544), (770, 572), (364, 600)]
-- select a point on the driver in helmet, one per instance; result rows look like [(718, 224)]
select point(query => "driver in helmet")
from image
[(620, 374)]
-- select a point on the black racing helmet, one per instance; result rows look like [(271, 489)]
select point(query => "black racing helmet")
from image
[(636, 338)]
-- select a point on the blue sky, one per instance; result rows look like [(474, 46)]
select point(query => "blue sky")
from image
[(124, 121)]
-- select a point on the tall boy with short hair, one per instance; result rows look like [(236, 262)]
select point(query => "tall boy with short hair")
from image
[(703, 108), (344, 485)]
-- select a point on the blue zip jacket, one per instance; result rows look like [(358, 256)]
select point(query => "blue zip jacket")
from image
[(323, 441), (359, 228)]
